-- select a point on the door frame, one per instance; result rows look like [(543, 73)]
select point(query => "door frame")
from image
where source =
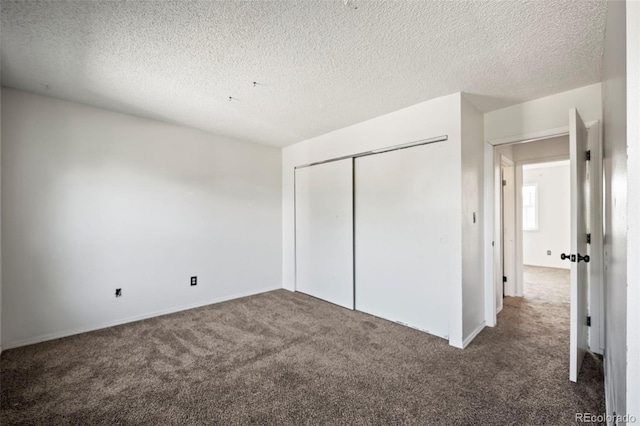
[(493, 221), (507, 253)]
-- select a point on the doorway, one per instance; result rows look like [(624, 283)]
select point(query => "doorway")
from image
[(548, 146), (545, 217)]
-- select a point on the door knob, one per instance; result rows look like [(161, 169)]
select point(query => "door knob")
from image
[(573, 258), (584, 258)]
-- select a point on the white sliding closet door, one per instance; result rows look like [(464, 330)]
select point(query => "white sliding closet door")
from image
[(324, 231), (401, 220)]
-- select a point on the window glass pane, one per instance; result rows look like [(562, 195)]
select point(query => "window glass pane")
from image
[(529, 207)]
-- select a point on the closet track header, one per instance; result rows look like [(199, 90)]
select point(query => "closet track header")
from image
[(381, 150)]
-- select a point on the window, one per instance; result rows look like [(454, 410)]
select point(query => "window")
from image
[(530, 207)]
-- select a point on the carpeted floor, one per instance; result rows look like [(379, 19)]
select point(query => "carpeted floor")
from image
[(547, 284), (287, 358)]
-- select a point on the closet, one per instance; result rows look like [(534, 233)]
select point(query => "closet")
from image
[(380, 219), (371, 234)]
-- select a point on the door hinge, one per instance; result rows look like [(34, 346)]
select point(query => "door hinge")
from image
[(588, 321), (588, 238), (504, 183), (504, 279), (588, 155)]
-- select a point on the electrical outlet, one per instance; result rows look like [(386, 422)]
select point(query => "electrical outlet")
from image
[(548, 252), (194, 280), (118, 292)]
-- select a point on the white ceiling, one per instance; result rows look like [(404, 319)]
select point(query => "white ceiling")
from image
[(320, 65)]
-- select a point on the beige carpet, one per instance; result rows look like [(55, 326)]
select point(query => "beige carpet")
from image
[(546, 284), (287, 358)]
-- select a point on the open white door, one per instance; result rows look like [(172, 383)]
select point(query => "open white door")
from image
[(578, 146)]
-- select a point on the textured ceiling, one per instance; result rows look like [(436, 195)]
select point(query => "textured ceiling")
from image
[(319, 65)]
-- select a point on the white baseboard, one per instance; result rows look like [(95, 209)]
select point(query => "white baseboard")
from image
[(456, 344), (135, 318), (499, 309), (473, 335)]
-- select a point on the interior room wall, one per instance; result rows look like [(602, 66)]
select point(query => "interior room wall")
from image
[(472, 122), (94, 200), (615, 189), (633, 236), (539, 151), (543, 114), (553, 233), (429, 119)]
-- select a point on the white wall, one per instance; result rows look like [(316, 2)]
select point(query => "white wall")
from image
[(542, 114), (633, 236), (429, 119), (540, 151), (553, 233), (615, 189), (473, 246), (94, 200)]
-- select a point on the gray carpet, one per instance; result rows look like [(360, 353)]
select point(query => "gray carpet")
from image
[(287, 358), (546, 284)]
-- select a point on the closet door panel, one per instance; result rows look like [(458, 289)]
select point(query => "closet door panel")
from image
[(402, 232), (324, 231)]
